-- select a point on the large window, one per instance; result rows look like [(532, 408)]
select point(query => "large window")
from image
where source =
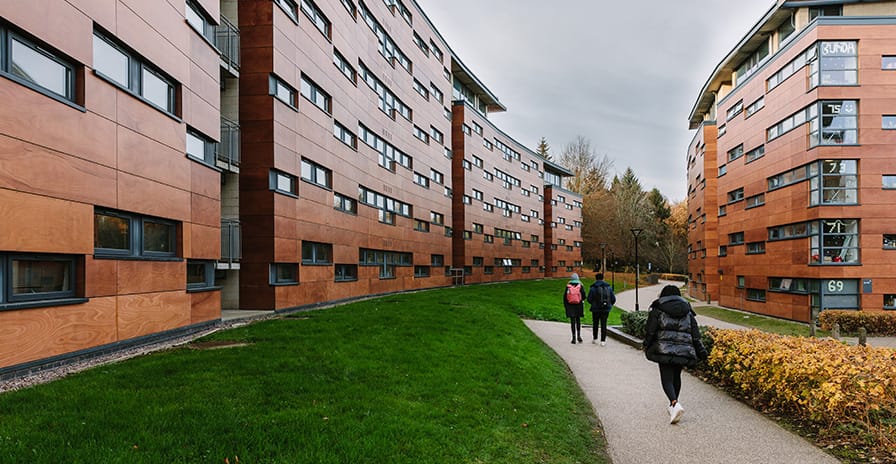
[(284, 274), (282, 182), (345, 204), (131, 72), (29, 278), (36, 65), (316, 174), (120, 234), (834, 63), (316, 95), (200, 21), (834, 241), (833, 182), (385, 260), (346, 272), (283, 92), (838, 124), (317, 17)]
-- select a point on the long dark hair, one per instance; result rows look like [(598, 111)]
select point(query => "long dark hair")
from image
[(670, 290)]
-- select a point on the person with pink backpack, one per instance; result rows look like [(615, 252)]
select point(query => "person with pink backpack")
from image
[(574, 303)]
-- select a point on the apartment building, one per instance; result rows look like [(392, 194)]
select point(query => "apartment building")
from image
[(162, 161), (791, 173)]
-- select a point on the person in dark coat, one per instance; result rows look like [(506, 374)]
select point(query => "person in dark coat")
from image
[(575, 311), (673, 341), (600, 307)]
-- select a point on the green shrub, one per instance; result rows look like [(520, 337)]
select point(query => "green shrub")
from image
[(635, 323), (675, 277), (874, 322)]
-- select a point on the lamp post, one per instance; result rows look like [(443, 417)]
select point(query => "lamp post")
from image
[(603, 261), (613, 271), (636, 233)]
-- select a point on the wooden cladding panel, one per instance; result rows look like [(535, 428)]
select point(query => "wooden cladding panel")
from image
[(144, 157), (41, 224), (205, 242), (43, 332), (149, 313), (205, 306), (137, 276)]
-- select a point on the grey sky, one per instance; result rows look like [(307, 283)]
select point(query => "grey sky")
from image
[(624, 74)]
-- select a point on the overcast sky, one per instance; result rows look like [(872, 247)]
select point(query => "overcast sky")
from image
[(624, 74)]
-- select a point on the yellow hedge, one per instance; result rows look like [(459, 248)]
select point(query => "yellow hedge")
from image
[(820, 380), (874, 322)]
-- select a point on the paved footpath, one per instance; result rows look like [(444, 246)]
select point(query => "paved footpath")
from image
[(625, 392)]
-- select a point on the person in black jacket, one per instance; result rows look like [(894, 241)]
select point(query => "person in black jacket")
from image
[(673, 341), (574, 291), (602, 299)]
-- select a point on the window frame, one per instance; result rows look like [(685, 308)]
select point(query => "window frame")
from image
[(315, 94), (11, 300), (275, 83), (316, 253), (209, 148), (208, 282), (137, 66), (274, 278), (274, 184), (136, 237), (312, 173), (345, 272), (71, 67), (317, 18)]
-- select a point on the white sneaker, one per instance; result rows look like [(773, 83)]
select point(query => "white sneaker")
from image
[(675, 413), (603, 343), (594, 341)]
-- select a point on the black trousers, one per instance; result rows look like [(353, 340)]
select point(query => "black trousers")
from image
[(670, 377), (575, 323), (600, 318)]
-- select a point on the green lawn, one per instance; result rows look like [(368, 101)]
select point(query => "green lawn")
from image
[(756, 321), (442, 376)]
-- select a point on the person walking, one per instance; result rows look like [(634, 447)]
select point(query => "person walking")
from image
[(574, 303), (672, 341), (602, 299)]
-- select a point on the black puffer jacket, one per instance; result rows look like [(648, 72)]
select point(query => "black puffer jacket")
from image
[(672, 333)]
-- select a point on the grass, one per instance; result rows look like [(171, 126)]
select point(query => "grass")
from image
[(449, 375), (756, 321)]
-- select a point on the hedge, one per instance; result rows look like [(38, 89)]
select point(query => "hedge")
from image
[(874, 322)]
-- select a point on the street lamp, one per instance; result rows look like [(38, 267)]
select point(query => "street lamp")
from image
[(636, 233), (603, 261), (613, 271)]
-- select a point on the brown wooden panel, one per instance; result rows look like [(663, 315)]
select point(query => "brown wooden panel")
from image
[(39, 333), (59, 24), (101, 277), (137, 276), (140, 195), (158, 31), (205, 210), (205, 306), (205, 242), (147, 158), (41, 224), (148, 313)]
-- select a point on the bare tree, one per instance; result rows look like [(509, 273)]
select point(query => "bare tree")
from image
[(590, 171)]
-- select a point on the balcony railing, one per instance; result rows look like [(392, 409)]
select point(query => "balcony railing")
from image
[(230, 244), (227, 38), (228, 154)]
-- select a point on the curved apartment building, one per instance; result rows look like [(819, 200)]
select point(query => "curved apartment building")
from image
[(791, 175), (160, 163)]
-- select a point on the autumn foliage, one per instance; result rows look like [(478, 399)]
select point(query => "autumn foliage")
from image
[(819, 381), (874, 322)]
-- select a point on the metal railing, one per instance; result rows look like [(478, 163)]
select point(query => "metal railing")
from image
[(231, 242), (228, 151), (227, 38)]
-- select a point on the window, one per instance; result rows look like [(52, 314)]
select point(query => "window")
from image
[(315, 94), (385, 260), (890, 301), (723, 250), (345, 204), (383, 203), (723, 129), (130, 72), (834, 241), (754, 154), (754, 107), (790, 68), (36, 65), (120, 234), (788, 178), (735, 153), (284, 274), (421, 44), (282, 182), (387, 47), (290, 8), (283, 92), (317, 17), (888, 122), (199, 20), (890, 241), (755, 294), (736, 195), (436, 176), (741, 281), (436, 218), (889, 181), (789, 285), (436, 93), (421, 271), (421, 225), (830, 10), (346, 272), (734, 110), (347, 70), (436, 135), (200, 147), (838, 124), (751, 64), (344, 135), (350, 7), (723, 210), (317, 253), (833, 182), (835, 63), (421, 135), (723, 169), (791, 122), (421, 180), (888, 62), (736, 238), (316, 174), (790, 231), (200, 275), (755, 200), (755, 248), (31, 278)]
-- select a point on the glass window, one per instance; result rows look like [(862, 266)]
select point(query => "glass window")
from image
[(317, 253), (890, 241), (111, 61), (317, 17), (283, 92), (200, 274), (889, 181), (835, 241), (836, 64), (837, 124), (157, 90), (316, 174), (315, 94), (283, 183), (888, 122), (890, 301), (289, 7), (129, 71), (200, 147), (284, 274), (133, 235), (346, 272), (888, 62), (836, 183), (37, 66), (37, 278)]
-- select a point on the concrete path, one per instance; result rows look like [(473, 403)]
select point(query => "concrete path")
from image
[(624, 389)]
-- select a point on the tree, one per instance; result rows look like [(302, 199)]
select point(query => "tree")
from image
[(590, 172), (543, 149), (675, 246)]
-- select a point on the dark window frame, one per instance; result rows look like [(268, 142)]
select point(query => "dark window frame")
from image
[(345, 272), (208, 282), (136, 237), (274, 278), (136, 66), (274, 185), (73, 76), (10, 300), (317, 253)]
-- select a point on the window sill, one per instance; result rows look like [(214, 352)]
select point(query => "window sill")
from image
[(137, 258), (203, 289), (137, 96), (42, 303), (204, 163)]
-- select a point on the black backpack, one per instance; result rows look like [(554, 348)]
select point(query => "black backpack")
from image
[(604, 298)]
